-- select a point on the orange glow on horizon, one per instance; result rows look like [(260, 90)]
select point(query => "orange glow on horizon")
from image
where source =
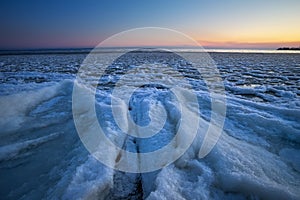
[(233, 44)]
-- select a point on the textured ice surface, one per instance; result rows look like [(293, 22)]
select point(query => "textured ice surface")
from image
[(257, 156)]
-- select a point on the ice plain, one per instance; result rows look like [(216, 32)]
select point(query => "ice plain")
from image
[(257, 156)]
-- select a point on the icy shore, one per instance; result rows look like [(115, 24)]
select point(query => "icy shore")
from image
[(257, 156)]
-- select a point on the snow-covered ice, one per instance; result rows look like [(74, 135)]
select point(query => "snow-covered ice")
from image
[(257, 155)]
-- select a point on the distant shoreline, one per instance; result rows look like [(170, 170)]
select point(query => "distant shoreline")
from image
[(289, 48), (86, 51)]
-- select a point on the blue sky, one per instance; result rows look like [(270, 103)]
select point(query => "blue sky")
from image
[(79, 23)]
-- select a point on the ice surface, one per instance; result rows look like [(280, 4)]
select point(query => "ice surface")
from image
[(257, 156), (12, 151)]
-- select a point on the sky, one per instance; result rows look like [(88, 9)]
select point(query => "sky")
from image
[(251, 24)]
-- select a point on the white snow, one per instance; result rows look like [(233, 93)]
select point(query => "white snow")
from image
[(257, 155)]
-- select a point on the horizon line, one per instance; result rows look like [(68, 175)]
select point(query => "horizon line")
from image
[(249, 47), (202, 44)]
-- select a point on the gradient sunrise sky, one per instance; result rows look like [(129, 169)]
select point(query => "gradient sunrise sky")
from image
[(252, 24)]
